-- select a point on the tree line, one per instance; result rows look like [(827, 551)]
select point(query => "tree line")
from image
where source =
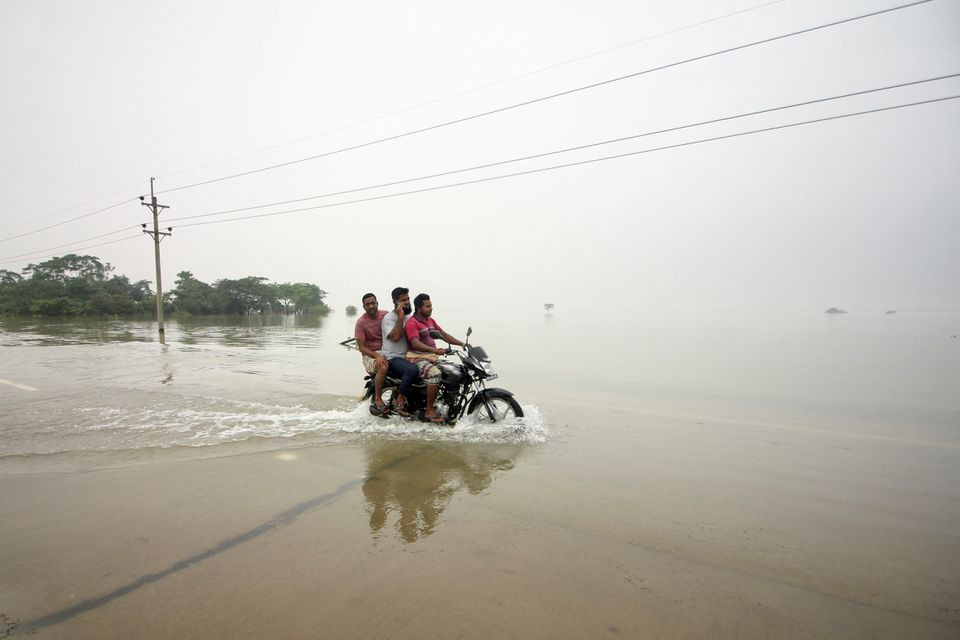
[(74, 285)]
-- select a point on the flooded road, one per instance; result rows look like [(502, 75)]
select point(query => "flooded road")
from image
[(677, 474)]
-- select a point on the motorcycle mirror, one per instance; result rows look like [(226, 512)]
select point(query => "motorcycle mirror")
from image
[(469, 331), (436, 335)]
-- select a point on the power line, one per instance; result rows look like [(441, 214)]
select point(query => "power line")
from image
[(92, 246), (388, 115), (60, 224), (544, 169), (77, 206), (68, 244), (545, 98), (578, 163), (569, 149), (505, 162), (499, 110), (621, 46), (460, 94)]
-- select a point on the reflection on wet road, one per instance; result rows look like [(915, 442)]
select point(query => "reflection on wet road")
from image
[(409, 485)]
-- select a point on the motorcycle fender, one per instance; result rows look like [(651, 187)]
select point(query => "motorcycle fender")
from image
[(487, 393)]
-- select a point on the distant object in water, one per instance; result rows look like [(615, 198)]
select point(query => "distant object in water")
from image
[(890, 311), (548, 306), (834, 310), (351, 310)]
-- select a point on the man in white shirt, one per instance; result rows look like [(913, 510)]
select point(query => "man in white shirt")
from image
[(395, 347)]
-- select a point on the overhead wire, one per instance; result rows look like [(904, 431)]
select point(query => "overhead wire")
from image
[(467, 92), (579, 163), (60, 224), (78, 205), (93, 246), (382, 117), (406, 109), (499, 110), (543, 169), (568, 149), (526, 103), (68, 244), (821, 100)]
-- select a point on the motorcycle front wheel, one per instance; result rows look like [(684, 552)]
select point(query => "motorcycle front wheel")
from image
[(498, 409)]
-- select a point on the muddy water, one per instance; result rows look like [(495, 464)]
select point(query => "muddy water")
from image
[(677, 474)]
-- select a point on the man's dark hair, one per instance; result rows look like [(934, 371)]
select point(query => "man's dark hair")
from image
[(419, 300), (399, 291), (367, 295)]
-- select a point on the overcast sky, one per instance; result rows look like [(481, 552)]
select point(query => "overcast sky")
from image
[(858, 212)]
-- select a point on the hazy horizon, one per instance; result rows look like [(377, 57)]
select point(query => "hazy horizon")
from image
[(857, 213)]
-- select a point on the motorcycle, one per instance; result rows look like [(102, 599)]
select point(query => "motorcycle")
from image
[(462, 389)]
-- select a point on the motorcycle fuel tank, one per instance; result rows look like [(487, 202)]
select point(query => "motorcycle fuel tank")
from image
[(450, 373)]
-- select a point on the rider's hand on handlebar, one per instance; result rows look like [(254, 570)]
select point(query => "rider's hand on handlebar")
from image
[(439, 351)]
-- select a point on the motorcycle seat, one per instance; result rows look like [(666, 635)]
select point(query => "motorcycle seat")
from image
[(396, 381)]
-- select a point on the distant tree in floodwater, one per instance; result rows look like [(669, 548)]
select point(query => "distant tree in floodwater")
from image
[(75, 285), (72, 285), (351, 310)]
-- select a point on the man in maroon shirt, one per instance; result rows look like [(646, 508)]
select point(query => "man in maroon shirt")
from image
[(370, 341)]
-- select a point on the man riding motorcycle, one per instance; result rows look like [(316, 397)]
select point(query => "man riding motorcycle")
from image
[(424, 350)]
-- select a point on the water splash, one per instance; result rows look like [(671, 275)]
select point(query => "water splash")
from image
[(213, 421)]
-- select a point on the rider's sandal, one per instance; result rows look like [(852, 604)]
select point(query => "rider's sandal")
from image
[(402, 412), (435, 419)]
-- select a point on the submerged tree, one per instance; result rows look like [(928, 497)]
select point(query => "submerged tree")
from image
[(190, 295), (84, 285), (247, 295), (302, 296), (71, 285)]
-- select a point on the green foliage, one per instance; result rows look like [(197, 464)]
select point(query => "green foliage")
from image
[(245, 296), (351, 310), (195, 297), (302, 297), (71, 285), (9, 277), (74, 285), (70, 267)]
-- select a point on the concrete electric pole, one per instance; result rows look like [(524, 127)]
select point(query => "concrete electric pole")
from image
[(157, 236)]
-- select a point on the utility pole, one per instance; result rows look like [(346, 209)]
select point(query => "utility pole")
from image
[(157, 236)]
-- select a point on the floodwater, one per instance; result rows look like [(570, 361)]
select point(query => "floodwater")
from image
[(676, 474)]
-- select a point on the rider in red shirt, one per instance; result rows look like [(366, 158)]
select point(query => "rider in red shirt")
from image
[(424, 350)]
